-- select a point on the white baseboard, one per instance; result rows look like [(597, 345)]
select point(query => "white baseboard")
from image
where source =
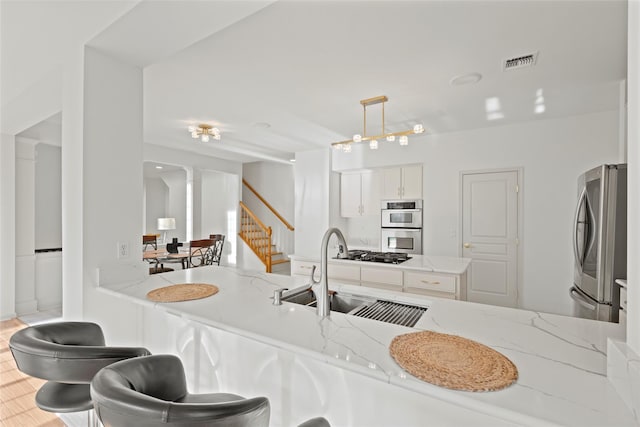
[(26, 307)]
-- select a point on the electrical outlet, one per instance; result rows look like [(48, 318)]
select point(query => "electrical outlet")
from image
[(123, 250)]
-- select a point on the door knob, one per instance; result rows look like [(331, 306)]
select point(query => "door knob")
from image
[(467, 245)]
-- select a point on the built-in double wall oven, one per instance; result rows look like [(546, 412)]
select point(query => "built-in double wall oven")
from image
[(401, 226)]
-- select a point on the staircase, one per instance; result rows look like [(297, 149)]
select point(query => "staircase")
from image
[(259, 237)]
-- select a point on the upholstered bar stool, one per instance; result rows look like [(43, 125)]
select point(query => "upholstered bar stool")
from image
[(152, 391), (67, 355)]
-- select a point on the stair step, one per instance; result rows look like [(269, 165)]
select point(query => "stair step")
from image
[(279, 261)]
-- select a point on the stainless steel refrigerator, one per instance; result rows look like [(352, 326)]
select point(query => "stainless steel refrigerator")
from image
[(600, 242)]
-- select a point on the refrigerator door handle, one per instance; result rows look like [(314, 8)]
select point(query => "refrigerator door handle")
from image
[(581, 199), (577, 297)]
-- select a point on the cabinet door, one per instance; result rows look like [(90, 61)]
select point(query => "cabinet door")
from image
[(304, 268), (350, 194), (412, 182), (392, 183), (383, 276), (370, 194)]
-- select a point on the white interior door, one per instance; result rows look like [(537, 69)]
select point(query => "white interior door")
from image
[(490, 236)]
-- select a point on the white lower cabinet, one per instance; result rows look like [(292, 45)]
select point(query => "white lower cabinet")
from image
[(382, 278), (345, 273), (303, 268), (441, 285), (430, 282)]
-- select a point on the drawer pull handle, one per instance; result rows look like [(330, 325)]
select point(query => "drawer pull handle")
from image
[(306, 267), (430, 283)]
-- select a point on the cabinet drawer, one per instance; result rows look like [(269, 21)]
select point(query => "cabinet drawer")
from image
[(429, 293), (303, 268), (430, 281), (344, 272), (381, 275), (386, 286)]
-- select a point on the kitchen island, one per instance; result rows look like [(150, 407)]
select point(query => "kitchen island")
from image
[(339, 367)]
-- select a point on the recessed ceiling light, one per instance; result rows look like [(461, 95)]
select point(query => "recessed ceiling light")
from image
[(292, 160), (465, 79), (158, 167)]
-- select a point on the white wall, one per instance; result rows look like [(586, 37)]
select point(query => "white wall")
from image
[(552, 154), (48, 197), (316, 201), (275, 182), (155, 200), (220, 211)]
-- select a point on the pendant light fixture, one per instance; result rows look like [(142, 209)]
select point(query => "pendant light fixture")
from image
[(373, 140), (204, 132)]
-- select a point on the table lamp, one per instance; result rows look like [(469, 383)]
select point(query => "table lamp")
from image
[(165, 224)]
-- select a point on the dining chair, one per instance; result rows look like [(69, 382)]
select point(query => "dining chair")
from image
[(201, 252), (149, 240), (218, 240)]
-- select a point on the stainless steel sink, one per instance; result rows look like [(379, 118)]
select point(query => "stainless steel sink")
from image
[(340, 302), (361, 306)]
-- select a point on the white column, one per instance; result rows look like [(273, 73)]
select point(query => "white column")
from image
[(633, 138), (623, 360), (7, 227), (25, 284), (112, 184), (72, 185), (312, 172)]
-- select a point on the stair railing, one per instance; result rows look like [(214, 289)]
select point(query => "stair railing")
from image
[(256, 235), (271, 208)]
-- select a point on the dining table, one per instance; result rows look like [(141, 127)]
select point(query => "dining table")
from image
[(161, 256)]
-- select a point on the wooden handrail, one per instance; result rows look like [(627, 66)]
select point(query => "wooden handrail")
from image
[(255, 218), (255, 234), (271, 208)]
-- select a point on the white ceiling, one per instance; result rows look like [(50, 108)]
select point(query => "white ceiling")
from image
[(303, 66)]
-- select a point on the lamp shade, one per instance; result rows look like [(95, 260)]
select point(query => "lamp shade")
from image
[(166, 223)]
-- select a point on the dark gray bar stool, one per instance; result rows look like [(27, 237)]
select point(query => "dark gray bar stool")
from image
[(67, 355), (152, 391)]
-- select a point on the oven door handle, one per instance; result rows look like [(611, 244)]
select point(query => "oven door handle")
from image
[(384, 211)]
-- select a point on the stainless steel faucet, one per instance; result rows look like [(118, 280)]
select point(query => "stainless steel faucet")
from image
[(322, 295)]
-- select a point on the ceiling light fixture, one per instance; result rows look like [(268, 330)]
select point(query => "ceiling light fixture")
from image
[(373, 140), (204, 132)]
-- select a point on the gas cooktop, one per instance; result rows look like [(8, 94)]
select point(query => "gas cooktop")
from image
[(369, 256)]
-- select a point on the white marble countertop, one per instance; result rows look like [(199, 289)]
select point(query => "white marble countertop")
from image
[(561, 360), (427, 263)]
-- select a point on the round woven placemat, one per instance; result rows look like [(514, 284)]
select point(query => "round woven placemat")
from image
[(182, 292), (453, 362)]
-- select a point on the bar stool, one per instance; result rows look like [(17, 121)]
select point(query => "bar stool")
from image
[(67, 355), (152, 391)]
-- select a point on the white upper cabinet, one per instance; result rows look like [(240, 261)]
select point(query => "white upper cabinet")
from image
[(360, 193), (402, 183)]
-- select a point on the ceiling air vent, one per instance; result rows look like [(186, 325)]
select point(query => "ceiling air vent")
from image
[(520, 62)]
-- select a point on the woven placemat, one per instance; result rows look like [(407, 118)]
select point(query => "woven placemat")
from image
[(453, 362), (182, 292)]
